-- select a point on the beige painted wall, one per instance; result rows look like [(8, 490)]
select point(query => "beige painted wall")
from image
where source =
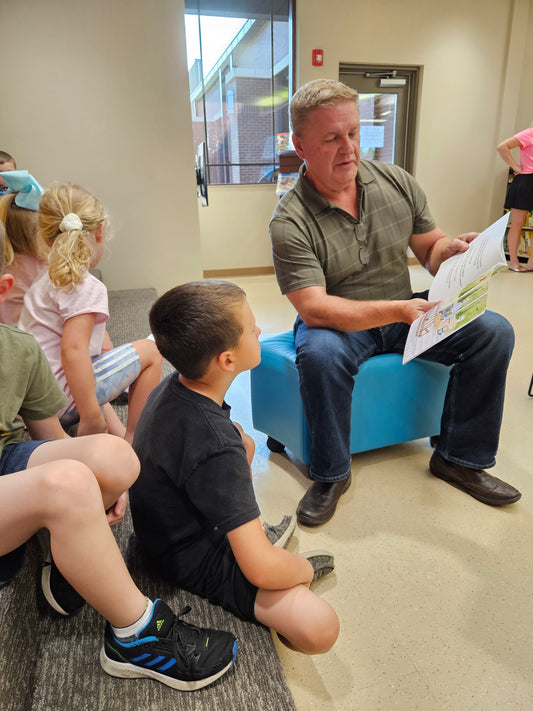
[(99, 95), (234, 227), (476, 81), (96, 93), (525, 107)]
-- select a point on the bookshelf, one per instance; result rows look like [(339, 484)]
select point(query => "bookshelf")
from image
[(289, 164)]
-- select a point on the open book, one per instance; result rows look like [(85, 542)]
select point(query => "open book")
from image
[(461, 287)]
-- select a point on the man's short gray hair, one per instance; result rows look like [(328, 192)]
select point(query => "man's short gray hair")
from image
[(314, 94)]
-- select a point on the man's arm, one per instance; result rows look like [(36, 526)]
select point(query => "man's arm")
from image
[(433, 248), (318, 309)]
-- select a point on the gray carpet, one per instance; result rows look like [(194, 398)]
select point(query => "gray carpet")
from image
[(49, 663)]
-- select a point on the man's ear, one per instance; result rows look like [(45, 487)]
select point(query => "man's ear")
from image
[(298, 147), (6, 284)]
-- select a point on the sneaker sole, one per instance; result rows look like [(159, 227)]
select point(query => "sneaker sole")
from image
[(44, 543), (310, 554), (43, 538), (284, 539), (47, 591), (125, 670)]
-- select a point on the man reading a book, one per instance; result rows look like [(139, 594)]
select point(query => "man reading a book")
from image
[(339, 241)]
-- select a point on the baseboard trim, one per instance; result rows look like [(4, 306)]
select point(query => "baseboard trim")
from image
[(244, 271)]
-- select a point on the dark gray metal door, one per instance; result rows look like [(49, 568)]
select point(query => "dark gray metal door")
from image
[(387, 106)]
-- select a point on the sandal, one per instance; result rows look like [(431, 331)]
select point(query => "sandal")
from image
[(516, 268)]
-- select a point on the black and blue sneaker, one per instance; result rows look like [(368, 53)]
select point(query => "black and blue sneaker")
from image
[(59, 593), (171, 651)]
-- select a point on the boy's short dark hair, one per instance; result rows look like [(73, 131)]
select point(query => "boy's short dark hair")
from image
[(194, 322)]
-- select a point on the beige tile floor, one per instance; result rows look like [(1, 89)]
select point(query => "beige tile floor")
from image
[(433, 589)]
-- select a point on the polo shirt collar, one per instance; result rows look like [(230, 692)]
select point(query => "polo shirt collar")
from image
[(316, 202)]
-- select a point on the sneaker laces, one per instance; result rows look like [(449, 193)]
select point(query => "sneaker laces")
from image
[(185, 638)]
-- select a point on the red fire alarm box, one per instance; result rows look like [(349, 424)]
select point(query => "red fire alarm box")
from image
[(318, 58)]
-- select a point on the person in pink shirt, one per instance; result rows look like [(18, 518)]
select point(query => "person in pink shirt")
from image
[(66, 309), (519, 198), (24, 252)]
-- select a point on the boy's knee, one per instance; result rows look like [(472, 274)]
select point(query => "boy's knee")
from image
[(69, 485), (323, 634), (117, 460)]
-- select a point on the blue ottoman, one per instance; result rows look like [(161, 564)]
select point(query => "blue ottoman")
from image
[(391, 402)]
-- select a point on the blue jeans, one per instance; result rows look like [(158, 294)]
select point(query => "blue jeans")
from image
[(328, 360)]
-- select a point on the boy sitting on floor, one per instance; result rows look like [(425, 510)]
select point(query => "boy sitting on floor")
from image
[(193, 505)]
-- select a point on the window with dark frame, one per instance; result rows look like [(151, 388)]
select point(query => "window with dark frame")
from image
[(240, 80)]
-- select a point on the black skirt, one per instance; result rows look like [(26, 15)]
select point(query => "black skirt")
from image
[(520, 193)]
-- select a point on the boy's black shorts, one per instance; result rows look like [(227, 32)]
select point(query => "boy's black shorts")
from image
[(211, 572)]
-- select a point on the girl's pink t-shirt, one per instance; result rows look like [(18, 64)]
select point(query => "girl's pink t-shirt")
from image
[(46, 309), (526, 150)]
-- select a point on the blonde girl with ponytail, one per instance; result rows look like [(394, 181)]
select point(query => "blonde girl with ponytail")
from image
[(66, 310)]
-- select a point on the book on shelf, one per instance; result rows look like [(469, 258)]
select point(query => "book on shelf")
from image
[(285, 182), (461, 289)]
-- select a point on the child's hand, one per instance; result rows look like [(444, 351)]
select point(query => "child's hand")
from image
[(115, 514), (92, 425)]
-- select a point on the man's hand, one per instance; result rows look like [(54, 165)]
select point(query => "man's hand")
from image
[(413, 308), (457, 245)]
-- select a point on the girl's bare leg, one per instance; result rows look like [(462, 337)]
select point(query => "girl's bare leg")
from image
[(518, 218), (113, 422)]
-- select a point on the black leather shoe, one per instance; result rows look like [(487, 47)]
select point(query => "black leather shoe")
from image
[(476, 482), (319, 503)]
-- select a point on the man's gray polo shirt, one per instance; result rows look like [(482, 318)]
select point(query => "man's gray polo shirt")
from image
[(314, 242)]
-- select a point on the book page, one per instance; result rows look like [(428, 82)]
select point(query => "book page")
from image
[(484, 255), (461, 287), (446, 317)]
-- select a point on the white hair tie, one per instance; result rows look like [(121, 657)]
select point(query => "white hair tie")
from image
[(71, 222)]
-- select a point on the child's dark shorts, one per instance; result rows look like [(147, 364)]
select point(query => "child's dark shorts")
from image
[(14, 458), (218, 578)]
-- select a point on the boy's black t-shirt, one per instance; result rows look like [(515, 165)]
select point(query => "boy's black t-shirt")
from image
[(194, 485)]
